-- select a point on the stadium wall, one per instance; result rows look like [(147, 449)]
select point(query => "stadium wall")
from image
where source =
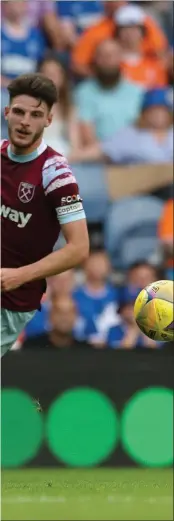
[(98, 408)]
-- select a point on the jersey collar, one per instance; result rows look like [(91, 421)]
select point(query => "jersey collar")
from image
[(28, 157)]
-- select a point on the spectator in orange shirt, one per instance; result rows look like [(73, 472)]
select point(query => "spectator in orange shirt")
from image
[(153, 43), (145, 70), (165, 233)]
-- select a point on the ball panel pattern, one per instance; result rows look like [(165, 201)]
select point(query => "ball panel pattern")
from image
[(170, 326), (140, 302), (162, 289), (154, 311), (147, 318)]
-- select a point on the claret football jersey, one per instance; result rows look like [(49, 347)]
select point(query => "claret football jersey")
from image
[(39, 193)]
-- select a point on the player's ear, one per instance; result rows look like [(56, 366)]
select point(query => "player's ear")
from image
[(49, 119), (6, 112)]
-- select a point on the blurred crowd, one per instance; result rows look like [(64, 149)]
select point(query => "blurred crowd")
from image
[(91, 307), (112, 63)]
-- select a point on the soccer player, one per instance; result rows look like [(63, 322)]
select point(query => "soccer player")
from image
[(39, 196)]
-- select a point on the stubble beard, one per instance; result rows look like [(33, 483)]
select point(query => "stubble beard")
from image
[(18, 144)]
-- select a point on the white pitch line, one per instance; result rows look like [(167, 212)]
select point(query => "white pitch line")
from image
[(120, 499), (42, 499), (129, 499), (162, 500), (48, 499)]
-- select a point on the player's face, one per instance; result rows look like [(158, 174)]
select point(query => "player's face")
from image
[(27, 117)]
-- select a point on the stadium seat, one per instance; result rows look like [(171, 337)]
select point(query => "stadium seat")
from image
[(93, 190), (130, 230)]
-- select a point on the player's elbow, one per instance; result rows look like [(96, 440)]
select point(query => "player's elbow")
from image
[(76, 235)]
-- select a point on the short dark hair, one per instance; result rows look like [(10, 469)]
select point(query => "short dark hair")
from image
[(35, 85)]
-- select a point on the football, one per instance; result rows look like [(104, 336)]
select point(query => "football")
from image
[(153, 311)]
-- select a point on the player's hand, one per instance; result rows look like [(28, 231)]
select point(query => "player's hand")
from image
[(11, 278)]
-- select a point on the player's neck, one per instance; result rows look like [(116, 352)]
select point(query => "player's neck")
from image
[(18, 151)]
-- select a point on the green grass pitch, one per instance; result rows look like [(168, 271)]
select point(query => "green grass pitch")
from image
[(91, 494)]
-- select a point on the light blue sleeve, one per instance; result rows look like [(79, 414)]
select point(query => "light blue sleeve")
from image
[(61, 188), (65, 219)]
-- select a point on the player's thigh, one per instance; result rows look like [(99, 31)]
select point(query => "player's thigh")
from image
[(12, 323)]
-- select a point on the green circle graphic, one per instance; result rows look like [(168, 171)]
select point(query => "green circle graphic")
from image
[(21, 428), (82, 427), (147, 427)]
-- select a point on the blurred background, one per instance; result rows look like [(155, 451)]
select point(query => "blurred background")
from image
[(112, 63)]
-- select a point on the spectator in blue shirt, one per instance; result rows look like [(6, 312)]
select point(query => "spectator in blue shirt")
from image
[(61, 334), (22, 45), (147, 140), (139, 275), (41, 13), (96, 299), (78, 15), (150, 140), (61, 284), (127, 335), (39, 323)]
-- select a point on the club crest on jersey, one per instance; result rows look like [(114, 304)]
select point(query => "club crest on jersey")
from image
[(26, 192)]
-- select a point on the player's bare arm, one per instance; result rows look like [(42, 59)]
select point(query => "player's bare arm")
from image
[(71, 255)]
